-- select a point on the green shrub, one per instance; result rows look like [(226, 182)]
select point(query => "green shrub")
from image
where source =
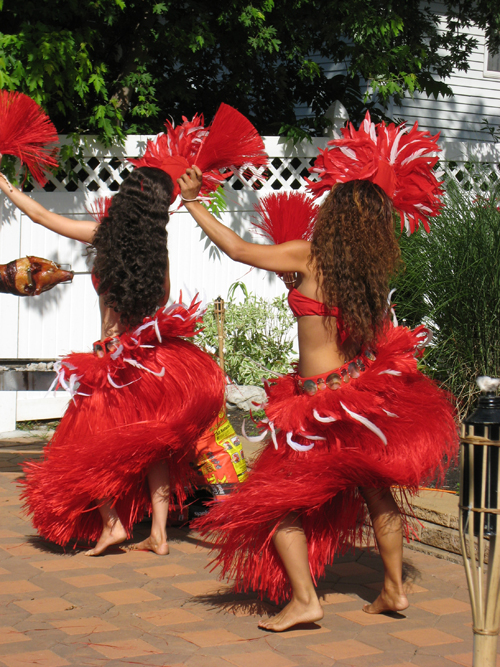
[(451, 282), (257, 336)]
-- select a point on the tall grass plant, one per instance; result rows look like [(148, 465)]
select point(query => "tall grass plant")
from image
[(451, 282)]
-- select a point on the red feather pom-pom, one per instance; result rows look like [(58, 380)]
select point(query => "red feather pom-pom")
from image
[(232, 142), (401, 162), (286, 216), (174, 151), (28, 133)]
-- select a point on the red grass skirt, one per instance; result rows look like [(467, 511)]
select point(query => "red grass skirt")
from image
[(147, 402), (390, 426)]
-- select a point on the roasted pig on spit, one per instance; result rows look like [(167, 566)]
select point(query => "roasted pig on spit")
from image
[(30, 276)]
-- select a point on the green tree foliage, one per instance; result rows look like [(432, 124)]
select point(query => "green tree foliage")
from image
[(111, 67)]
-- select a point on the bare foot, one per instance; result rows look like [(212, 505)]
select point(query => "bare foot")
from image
[(295, 612), (159, 546), (387, 602), (114, 534)]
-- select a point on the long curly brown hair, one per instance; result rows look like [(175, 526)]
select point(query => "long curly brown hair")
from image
[(131, 245), (354, 252)]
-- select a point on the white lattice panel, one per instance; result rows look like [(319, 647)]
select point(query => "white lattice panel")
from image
[(67, 317), (104, 170), (472, 165)]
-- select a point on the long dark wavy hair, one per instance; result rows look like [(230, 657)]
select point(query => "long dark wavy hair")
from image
[(354, 252), (131, 245)]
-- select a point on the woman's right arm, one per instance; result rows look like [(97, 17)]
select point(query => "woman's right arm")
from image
[(292, 256), (79, 230)]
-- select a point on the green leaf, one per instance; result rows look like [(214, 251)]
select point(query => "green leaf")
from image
[(159, 8), (74, 57)]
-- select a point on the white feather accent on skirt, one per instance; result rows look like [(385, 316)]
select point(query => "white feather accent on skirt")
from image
[(366, 422), (114, 355), (253, 438), (135, 363), (119, 386), (273, 435), (324, 420), (143, 327), (157, 330), (295, 445)]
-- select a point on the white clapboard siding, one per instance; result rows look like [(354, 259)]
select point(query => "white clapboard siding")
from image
[(476, 96)]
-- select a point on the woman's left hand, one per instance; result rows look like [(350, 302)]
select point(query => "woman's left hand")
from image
[(190, 183), (289, 278)]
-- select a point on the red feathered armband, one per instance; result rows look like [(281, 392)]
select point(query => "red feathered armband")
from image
[(99, 209), (286, 216)]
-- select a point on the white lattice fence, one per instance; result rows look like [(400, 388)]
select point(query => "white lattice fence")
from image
[(103, 170), (472, 165), (67, 317), (467, 164)]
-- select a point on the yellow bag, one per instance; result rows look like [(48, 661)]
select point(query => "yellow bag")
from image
[(219, 459)]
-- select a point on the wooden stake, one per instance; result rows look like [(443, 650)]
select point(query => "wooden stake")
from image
[(483, 581), (219, 314)]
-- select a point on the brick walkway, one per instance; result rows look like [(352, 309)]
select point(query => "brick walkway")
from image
[(136, 608)]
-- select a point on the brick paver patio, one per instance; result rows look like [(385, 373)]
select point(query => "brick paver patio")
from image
[(136, 608)]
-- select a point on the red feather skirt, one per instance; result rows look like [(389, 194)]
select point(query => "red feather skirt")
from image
[(390, 426), (148, 401)]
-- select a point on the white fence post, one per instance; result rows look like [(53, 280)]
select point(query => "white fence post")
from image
[(8, 410)]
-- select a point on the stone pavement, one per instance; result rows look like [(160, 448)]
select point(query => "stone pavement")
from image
[(136, 608)]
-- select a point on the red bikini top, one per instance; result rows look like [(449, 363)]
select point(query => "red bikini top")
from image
[(302, 306)]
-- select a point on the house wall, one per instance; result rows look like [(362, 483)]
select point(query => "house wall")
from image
[(476, 97)]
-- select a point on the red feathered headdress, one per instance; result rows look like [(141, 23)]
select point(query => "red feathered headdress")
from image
[(286, 216), (28, 133), (401, 162), (230, 142)]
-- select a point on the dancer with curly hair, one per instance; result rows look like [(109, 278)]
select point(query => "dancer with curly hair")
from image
[(358, 417), (146, 394), (129, 424)]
